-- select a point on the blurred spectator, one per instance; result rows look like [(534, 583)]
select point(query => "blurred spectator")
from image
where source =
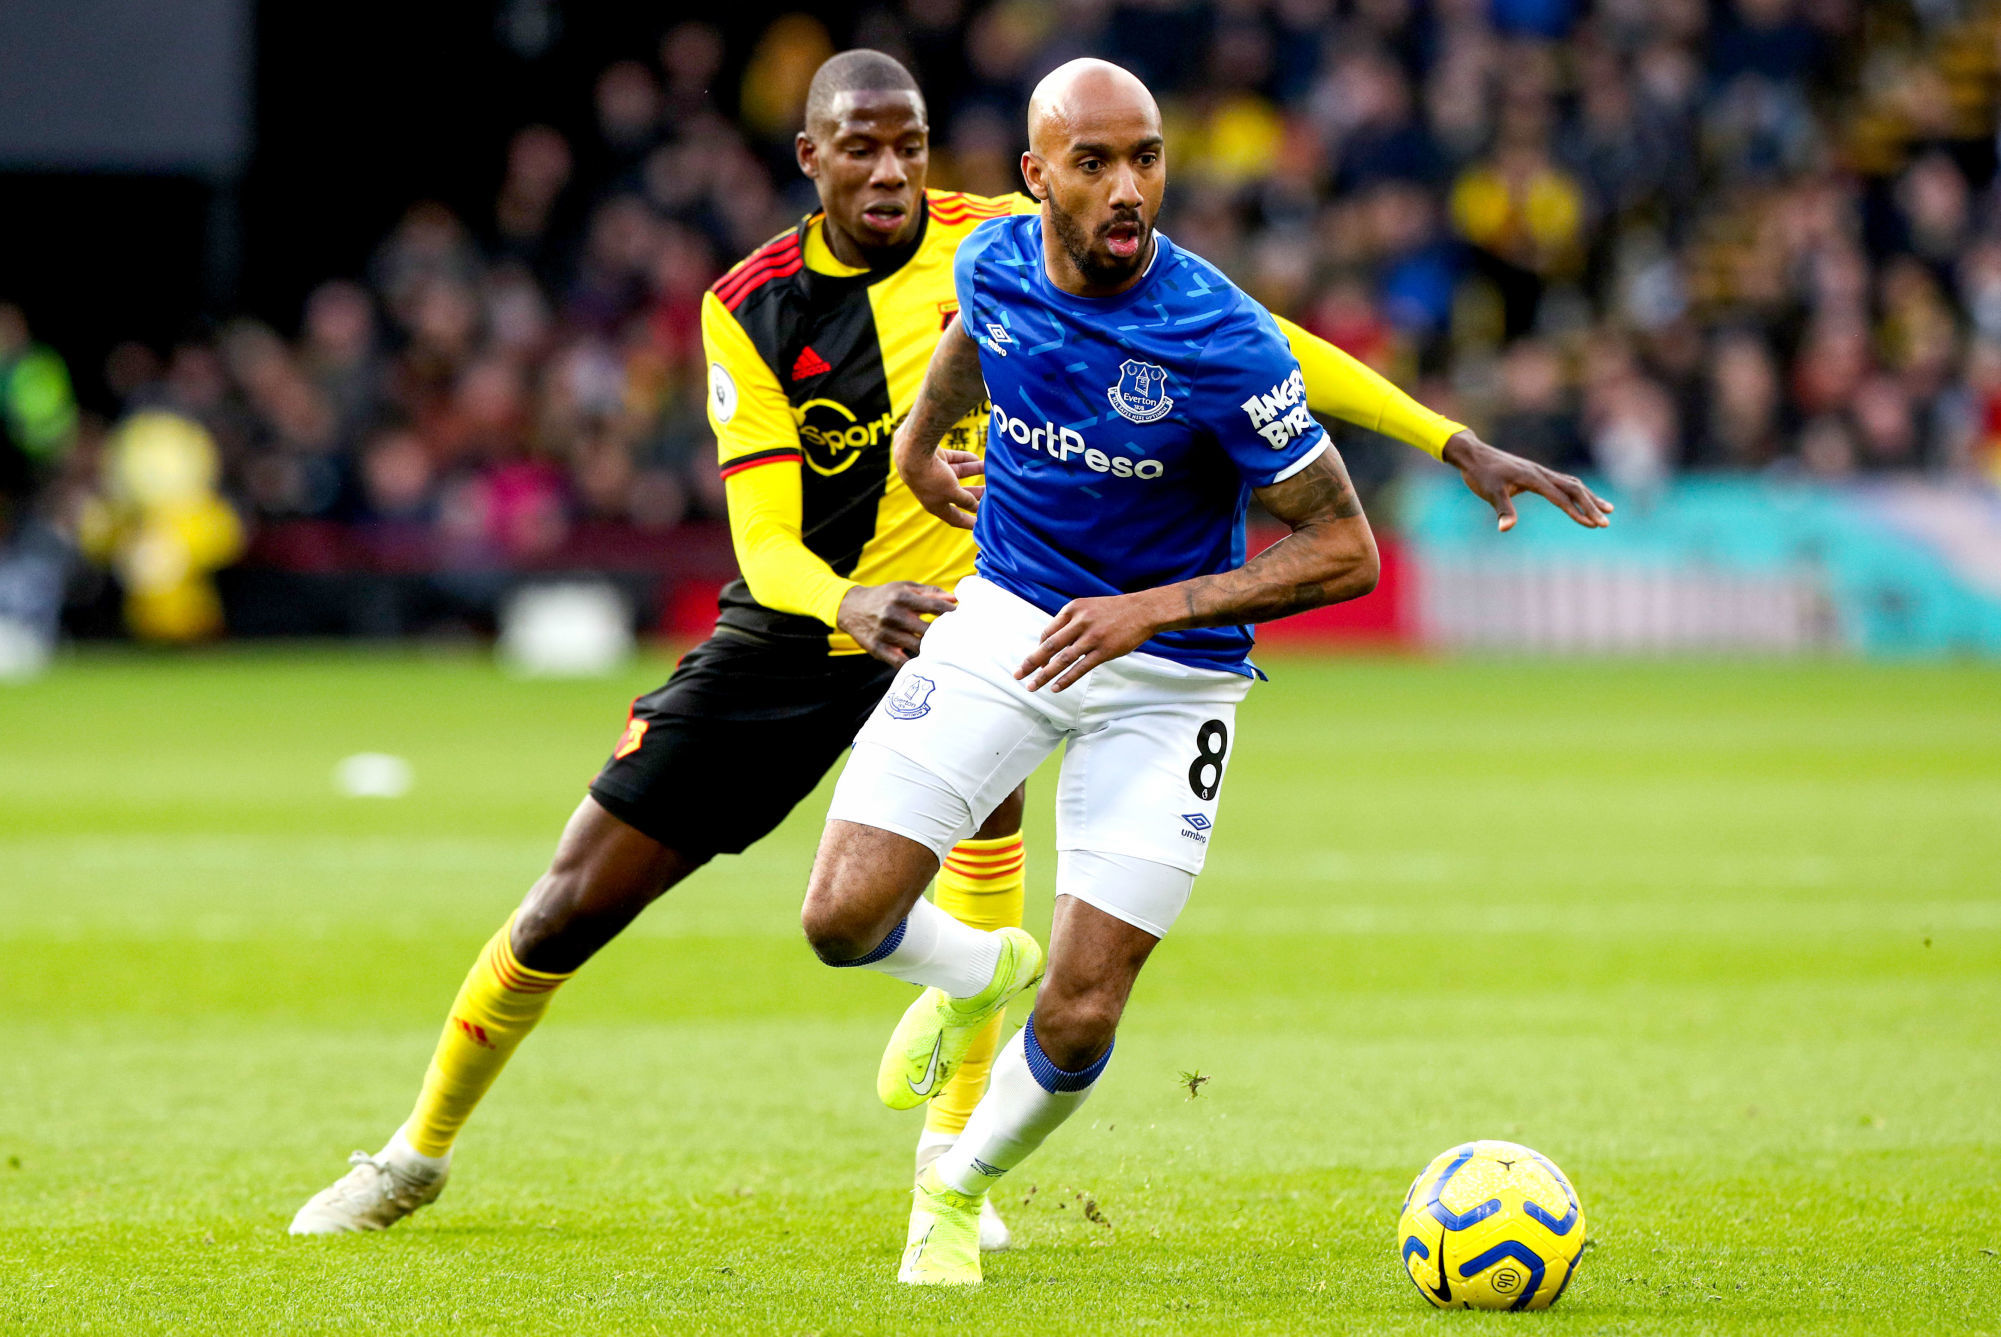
[(1743, 399), (161, 527), (1537, 418), (37, 407)]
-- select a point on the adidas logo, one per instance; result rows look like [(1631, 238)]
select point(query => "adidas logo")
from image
[(810, 363)]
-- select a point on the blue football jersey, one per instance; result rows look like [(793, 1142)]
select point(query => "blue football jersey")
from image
[(1127, 431)]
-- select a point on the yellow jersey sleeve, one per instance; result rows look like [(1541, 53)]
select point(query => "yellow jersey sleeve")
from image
[(757, 444), (1343, 387)]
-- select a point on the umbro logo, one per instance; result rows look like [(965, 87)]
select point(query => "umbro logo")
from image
[(1199, 824), (990, 1171), (809, 363)]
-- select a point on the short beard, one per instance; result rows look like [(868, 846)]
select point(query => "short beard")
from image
[(1098, 271)]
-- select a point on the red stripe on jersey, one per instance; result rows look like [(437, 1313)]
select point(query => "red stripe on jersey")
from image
[(760, 458), (757, 268), (752, 273), (784, 241), (964, 208), (787, 269)]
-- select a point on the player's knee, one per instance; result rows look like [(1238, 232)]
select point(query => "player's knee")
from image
[(1075, 1032), (836, 935)]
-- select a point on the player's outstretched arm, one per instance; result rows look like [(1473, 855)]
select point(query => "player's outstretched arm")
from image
[(1329, 556), (1340, 386), (953, 387), (1495, 476)]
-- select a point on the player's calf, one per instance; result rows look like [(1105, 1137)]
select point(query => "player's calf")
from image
[(1047, 1071), (603, 874)]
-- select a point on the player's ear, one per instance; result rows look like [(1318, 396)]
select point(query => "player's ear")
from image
[(808, 154), (1031, 172)]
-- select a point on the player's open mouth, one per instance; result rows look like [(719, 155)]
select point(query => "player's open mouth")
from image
[(884, 217), (1123, 239)]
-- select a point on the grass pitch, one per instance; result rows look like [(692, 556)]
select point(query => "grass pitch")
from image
[(1723, 940)]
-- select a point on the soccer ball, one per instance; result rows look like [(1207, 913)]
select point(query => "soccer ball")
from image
[(1491, 1225)]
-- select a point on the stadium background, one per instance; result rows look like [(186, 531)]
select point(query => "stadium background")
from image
[(1717, 931), (428, 284)]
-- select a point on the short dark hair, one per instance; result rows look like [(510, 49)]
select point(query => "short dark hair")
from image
[(859, 71)]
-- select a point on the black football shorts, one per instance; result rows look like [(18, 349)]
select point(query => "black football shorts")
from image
[(711, 762)]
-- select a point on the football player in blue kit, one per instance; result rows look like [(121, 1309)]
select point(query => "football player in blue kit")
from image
[(1139, 400)]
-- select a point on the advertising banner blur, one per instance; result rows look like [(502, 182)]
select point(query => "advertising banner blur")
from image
[(1897, 567)]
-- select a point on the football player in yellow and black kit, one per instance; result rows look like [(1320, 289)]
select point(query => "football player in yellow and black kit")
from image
[(817, 343)]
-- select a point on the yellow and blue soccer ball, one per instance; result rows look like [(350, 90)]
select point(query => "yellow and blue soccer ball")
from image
[(1491, 1225)]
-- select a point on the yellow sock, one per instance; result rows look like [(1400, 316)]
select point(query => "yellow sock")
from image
[(980, 885), (499, 1003)]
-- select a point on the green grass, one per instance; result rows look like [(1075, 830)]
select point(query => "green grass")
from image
[(1722, 939)]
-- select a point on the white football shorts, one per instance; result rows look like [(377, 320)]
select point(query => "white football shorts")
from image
[(1146, 742)]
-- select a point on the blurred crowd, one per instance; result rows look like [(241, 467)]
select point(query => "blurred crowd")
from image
[(1633, 236)]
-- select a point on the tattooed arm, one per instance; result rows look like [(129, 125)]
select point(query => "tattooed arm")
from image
[(953, 387), (1329, 556)]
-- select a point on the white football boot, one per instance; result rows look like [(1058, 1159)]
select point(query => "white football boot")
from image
[(994, 1234), (377, 1193)]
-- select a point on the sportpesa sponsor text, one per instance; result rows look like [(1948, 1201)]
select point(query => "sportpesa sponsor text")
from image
[(1063, 443)]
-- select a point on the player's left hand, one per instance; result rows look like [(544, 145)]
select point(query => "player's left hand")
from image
[(1495, 477), (1085, 634), (934, 479)]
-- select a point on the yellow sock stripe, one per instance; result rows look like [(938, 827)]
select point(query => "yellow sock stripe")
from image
[(977, 863), (515, 976), (977, 849), (996, 861), (1011, 855)]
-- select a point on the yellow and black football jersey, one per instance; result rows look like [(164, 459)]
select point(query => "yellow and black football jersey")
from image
[(812, 363)]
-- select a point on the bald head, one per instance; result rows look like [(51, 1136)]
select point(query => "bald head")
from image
[(1096, 161), (1084, 95)]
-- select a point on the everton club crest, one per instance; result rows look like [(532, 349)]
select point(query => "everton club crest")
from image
[(1141, 394), (911, 698)]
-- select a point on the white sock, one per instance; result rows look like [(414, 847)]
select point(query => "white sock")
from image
[(933, 949), (931, 1144), (1027, 1098), (400, 1152)]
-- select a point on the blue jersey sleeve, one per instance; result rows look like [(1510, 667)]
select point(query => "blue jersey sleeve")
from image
[(975, 298), (1253, 400)]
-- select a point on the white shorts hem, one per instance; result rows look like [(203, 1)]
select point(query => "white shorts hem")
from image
[(1118, 912)]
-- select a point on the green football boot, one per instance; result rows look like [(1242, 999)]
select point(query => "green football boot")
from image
[(931, 1040), (943, 1247)]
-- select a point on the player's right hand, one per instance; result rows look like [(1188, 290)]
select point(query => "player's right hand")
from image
[(933, 478), (889, 620)]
